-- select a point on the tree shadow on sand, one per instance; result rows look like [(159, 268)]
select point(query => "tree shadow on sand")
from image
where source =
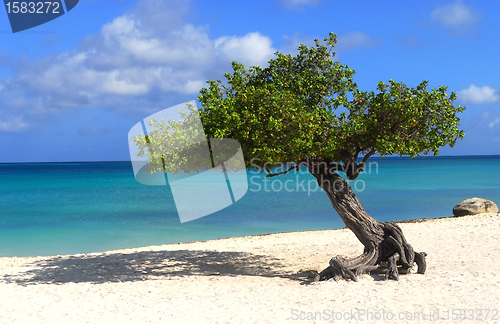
[(137, 266)]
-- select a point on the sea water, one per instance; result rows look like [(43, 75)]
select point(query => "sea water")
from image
[(63, 208)]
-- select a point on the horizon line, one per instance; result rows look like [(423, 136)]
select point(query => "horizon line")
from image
[(379, 157)]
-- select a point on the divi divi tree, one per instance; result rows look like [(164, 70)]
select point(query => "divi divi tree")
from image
[(306, 111)]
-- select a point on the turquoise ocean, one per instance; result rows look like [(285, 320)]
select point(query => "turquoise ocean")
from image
[(66, 208)]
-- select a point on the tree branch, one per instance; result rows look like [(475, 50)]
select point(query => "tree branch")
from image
[(367, 156), (361, 166), (269, 174), (358, 150)]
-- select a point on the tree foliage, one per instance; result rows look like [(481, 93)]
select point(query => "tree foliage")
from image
[(308, 107), (176, 144)]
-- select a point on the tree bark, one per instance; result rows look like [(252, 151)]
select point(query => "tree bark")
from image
[(383, 242)]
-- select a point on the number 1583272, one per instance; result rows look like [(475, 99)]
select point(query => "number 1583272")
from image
[(32, 7)]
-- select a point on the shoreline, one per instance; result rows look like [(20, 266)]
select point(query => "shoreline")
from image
[(411, 220), (405, 221), (255, 279)]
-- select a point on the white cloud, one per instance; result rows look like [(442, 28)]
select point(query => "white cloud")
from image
[(12, 125), (347, 42), (488, 121), (494, 122), (138, 62), (478, 95), (355, 40), (455, 15), (289, 44), (251, 48), (291, 4), (114, 84), (299, 2)]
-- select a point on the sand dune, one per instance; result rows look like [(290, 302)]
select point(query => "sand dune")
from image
[(251, 280)]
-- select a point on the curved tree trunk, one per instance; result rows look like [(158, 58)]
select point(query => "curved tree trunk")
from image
[(382, 241)]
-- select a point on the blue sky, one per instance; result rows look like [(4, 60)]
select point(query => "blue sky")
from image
[(71, 89)]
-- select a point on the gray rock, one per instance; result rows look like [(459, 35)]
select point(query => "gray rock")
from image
[(473, 206)]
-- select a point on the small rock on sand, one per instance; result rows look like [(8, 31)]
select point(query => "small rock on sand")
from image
[(473, 206)]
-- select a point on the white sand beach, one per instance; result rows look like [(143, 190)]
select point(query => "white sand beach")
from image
[(247, 280)]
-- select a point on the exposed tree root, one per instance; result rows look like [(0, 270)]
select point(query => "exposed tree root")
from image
[(393, 251)]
